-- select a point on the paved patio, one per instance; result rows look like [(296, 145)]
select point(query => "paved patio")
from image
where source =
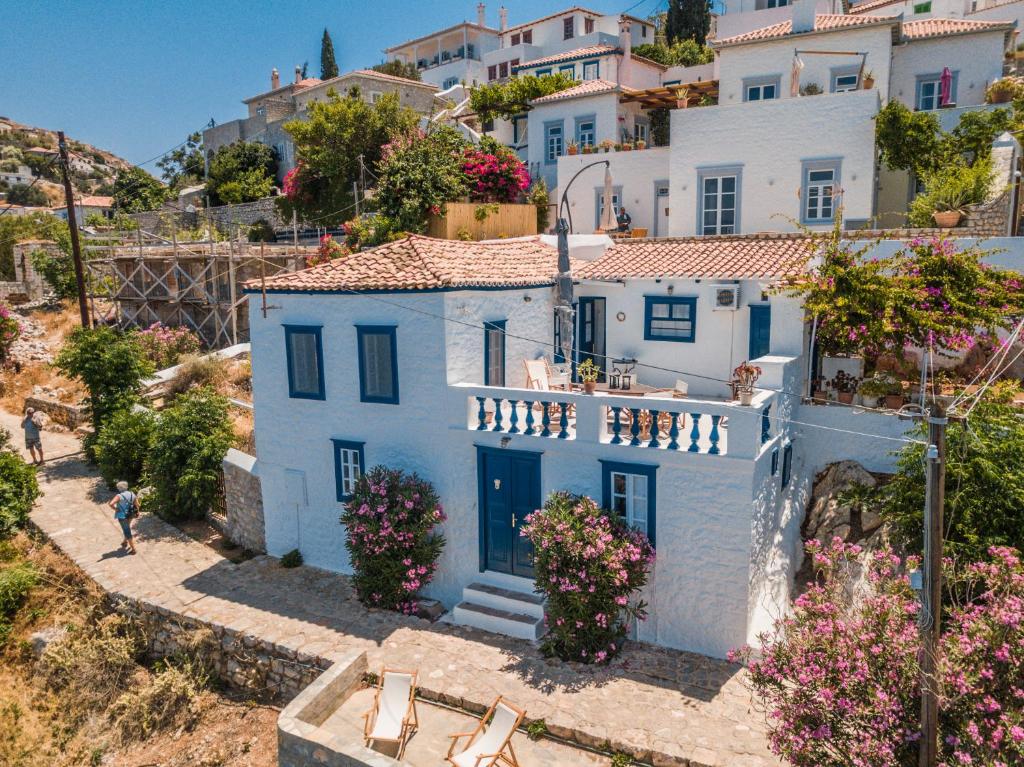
[(673, 708)]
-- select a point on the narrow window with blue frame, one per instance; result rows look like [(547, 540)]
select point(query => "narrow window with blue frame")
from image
[(494, 353), (787, 464), (670, 318), (629, 490), (305, 360), (378, 364), (349, 465)]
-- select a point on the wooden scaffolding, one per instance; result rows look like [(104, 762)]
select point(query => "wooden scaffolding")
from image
[(140, 278)]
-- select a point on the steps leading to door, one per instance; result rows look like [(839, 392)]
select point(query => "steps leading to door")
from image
[(493, 606)]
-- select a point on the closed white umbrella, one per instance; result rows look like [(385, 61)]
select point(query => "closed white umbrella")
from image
[(608, 222)]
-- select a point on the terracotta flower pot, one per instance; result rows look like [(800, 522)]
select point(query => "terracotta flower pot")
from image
[(846, 397), (947, 219), (589, 386), (820, 395), (869, 83), (894, 401)]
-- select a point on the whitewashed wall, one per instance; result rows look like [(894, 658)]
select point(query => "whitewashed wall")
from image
[(817, 127), (776, 58), (722, 337), (604, 107), (978, 58), (742, 16), (636, 172)]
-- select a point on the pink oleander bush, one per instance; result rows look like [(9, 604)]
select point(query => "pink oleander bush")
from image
[(391, 537), (10, 329), (839, 678), (164, 346), (588, 565)]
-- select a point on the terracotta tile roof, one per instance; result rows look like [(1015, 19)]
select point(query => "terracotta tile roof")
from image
[(424, 263), (41, 150), (925, 28), (309, 82), (585, 88), (97, 201), (822, 23), (389, 78), (756, 256), (871, 5), (577, 53)]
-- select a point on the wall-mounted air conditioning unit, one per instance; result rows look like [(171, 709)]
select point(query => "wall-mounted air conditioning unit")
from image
[(727, 298)]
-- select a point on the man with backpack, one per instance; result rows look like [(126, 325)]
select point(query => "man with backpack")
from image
[(33, 442), (126, 507)]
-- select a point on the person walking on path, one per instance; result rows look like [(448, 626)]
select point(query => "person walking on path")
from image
[(126, 506), (33, 440)]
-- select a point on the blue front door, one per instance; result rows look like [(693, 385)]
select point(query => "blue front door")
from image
[(760, 330), (509, 489), (591, 332)]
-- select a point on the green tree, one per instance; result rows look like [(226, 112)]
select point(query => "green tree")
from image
[(185, 165), (123, 444), (18, 488), (26, 194), (111, 364), (406, 69), (36, 225), (421, 173), (328, 66), (184, 464), (328, 145), (242, 171), (135, 190), (984, 485), (505, 100), (682, 53), (688, 20)]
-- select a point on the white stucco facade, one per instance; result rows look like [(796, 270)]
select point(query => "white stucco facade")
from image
[(976, 61)]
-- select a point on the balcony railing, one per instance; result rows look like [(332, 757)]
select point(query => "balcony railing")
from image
[(448, 56), (706, 427)]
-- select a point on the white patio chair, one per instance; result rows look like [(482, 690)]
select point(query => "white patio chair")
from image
[(392, 717), (494, 743), (682, 389), (537, 375)]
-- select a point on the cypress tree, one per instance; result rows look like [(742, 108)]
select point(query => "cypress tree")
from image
[(688, 20), (328, 66)]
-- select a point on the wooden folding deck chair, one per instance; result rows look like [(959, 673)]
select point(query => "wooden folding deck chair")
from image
[(392, 717), (494, 743)]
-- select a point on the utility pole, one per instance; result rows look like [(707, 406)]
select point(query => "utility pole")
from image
[(76, 249), (931, 592)]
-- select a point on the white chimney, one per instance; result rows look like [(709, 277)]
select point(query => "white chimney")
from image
[(626, 46), (481, 15), (298, 74), (803, 16), (275, 79), (503, 18)]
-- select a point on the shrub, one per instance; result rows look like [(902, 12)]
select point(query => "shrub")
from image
[(164, 346), (123, 444), (173, 697), (194, 372), (328, 250), (18, 491), (184, 465), (292, 559), (390, 537), (588, 564), (111, 364), (953, 186), (262, 231), (538, 196), (495, 172), (840, 677), (15, 583), (10, 329)]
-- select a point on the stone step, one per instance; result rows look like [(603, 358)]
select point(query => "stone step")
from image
[(500, 598), (498, 621)]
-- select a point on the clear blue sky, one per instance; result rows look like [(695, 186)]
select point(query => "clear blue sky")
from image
[(136, 76)]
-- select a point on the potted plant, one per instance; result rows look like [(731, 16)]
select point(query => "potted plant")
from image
[(607, 145), (618, 147), (882, 387), (641, 144), (572, 147), (845, 386), (588, 149), (745, 375), (1003, 90), (869, 80), (811, 89), (627, 146), (949, 190), (588, 373)]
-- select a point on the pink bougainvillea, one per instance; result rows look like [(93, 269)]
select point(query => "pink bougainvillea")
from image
[(840, 678), (10, 329), (588, 565), (392, 542), (495, 176), (328, 250)]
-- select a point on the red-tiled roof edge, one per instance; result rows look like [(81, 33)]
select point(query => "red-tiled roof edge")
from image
[(856, 22)]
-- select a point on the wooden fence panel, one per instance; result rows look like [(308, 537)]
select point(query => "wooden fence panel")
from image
[(510, 220)]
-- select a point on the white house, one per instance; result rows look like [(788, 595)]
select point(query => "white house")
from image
[(413, 355), (22, 175), (88, 205)]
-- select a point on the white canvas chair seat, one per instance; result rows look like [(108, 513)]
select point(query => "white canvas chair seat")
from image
[(487, 745), (393, 714), (537, 375)]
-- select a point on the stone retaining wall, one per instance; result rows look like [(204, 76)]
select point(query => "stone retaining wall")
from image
[(243, 661), (68, 416), (243, 501)]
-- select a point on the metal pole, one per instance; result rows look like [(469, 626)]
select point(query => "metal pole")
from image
[(931, 594), (76, 249)]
